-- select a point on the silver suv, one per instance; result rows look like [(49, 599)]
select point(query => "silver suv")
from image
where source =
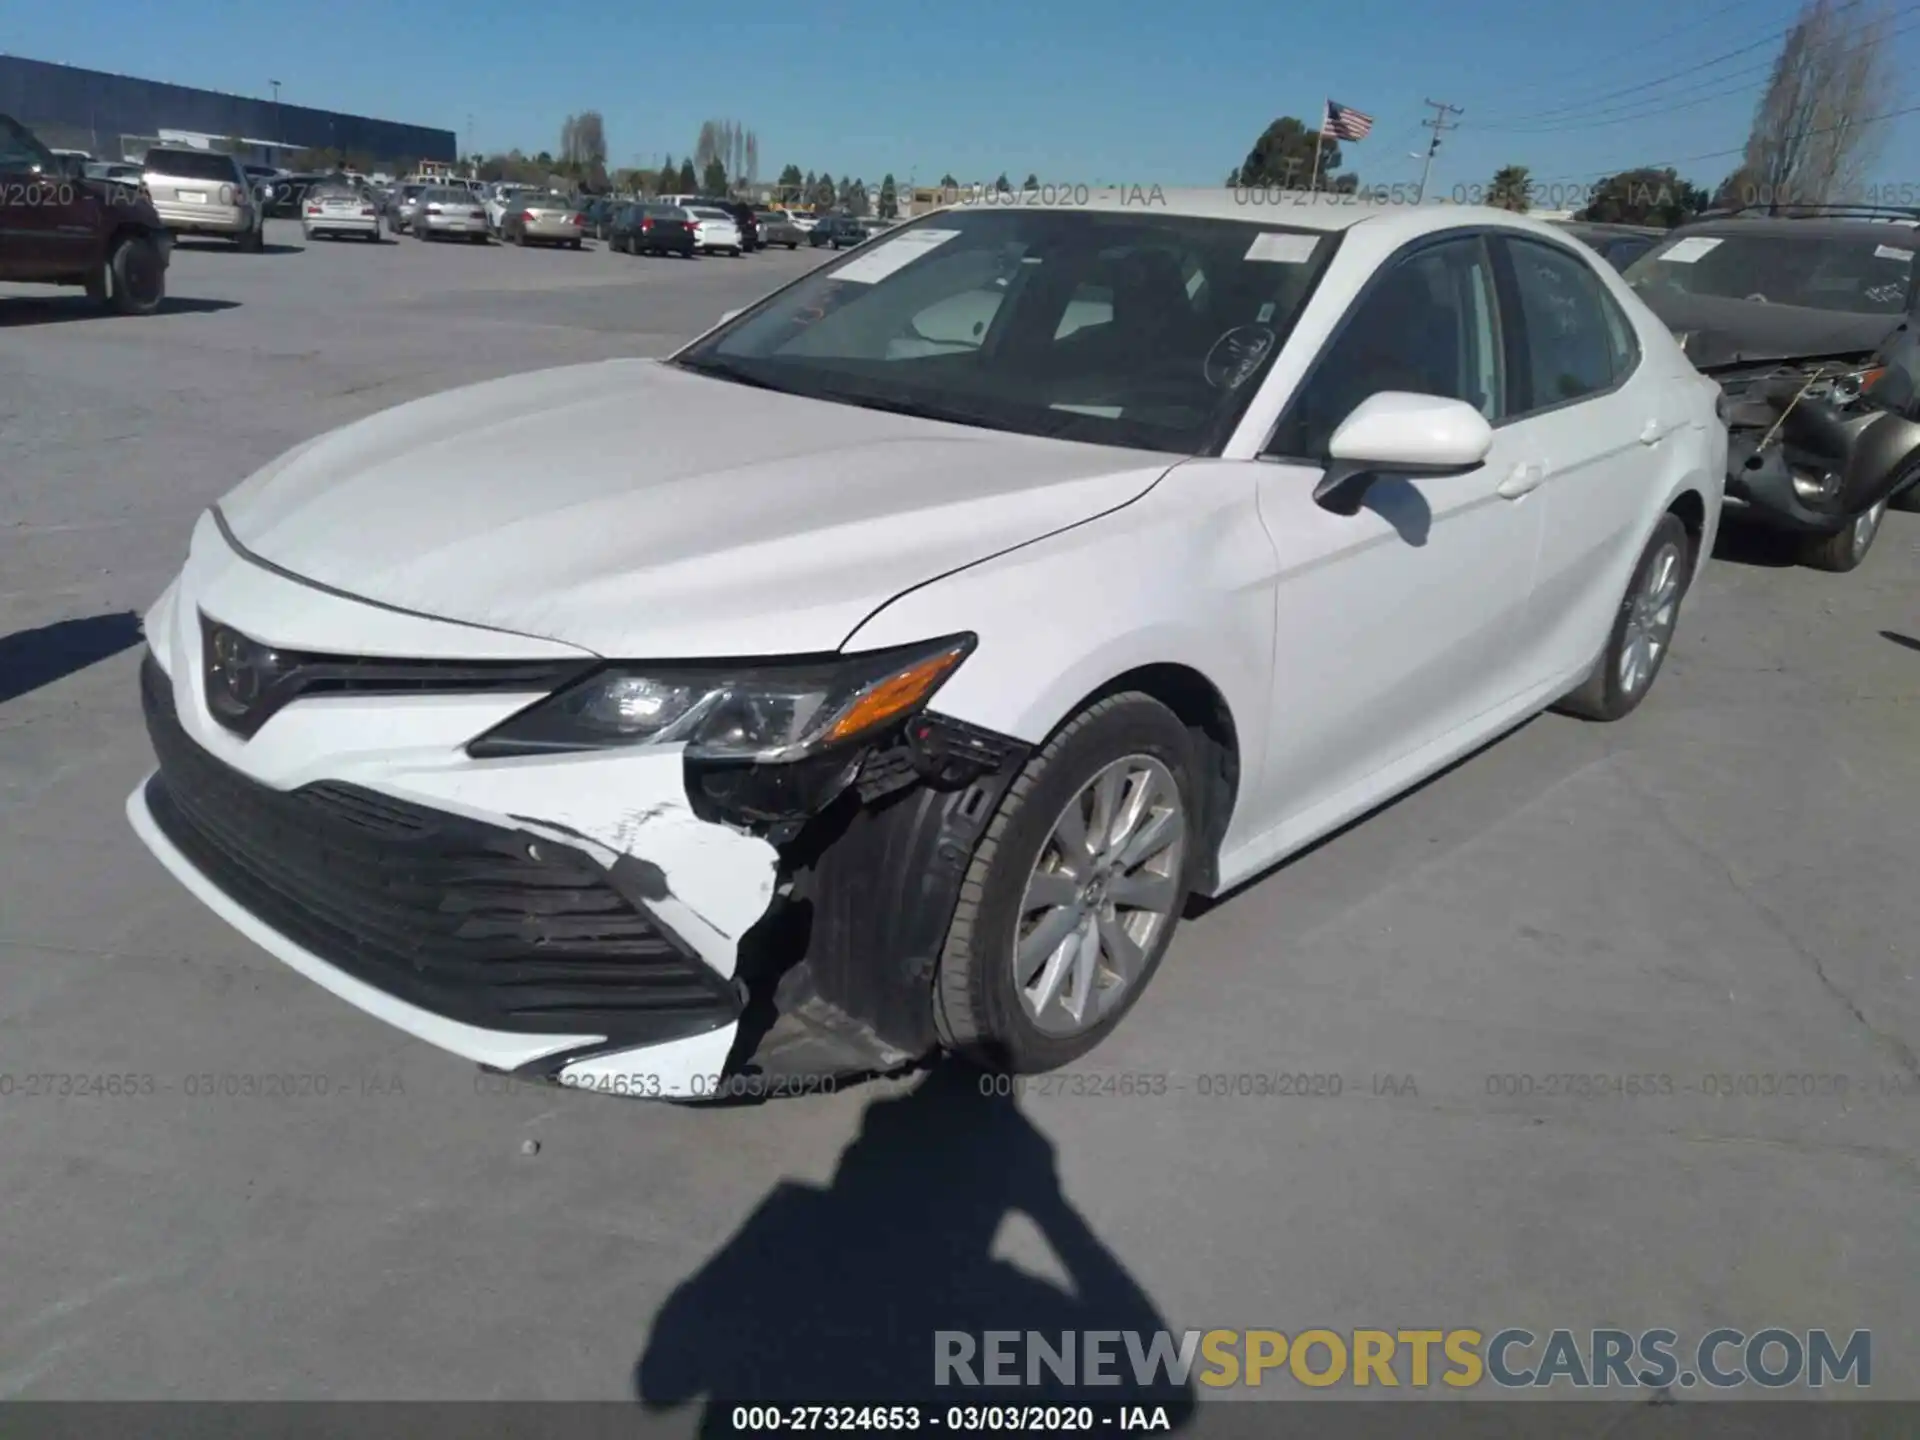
[(205, 192)]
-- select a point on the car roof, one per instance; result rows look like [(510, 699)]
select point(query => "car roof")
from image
[(1822, 227), (1281, 209)]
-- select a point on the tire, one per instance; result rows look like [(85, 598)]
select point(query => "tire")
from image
[(1843, 550), (139, 281), (1908, 499), (476, 240), (793, 244), (253, 242), (1606, 694), (978, 1008), (573, 244)]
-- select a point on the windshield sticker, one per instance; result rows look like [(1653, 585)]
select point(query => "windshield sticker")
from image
[(1283, 247), (1892, 252), (1236, 355), (1685, 252), (896, 254)]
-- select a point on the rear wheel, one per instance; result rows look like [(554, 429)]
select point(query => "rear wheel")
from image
[(1845, 548), (132, 281), (1642, 629), (253, 241), (1074, 892)]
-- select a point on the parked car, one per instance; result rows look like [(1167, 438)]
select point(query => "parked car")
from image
[(450, 212), (654, 230), (405, 204), (117, 173), (60, 226), (499, 198), (204, 192), (1357, 489), (742, 214), (598, 213), (1618, 245), (1795, 319), (776, 229), (836, 231), (714, 231), (543, 220), (339, 209)]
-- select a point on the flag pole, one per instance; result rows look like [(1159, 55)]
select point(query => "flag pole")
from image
[(1319, 139)]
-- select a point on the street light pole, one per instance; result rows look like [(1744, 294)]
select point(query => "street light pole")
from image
[(279, 125)]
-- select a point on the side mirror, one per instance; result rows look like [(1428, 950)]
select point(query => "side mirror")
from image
[(731, 314), (1400, 433)]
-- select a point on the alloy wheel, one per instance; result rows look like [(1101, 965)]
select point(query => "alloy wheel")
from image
[(1100, 896), (1651, 614)]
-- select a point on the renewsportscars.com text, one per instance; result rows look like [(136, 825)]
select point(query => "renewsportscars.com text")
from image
[(1459, 1359)]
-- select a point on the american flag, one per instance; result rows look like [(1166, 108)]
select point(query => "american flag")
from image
[(1345, 124)]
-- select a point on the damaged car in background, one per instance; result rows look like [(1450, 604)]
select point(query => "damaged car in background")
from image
[(973, 600), (1807, 324)]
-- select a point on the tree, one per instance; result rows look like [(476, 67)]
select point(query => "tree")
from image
[(668, 177), (1283, 157), (1510, 188), (947, 182), (1813, 135), (889, 200), (825, 192), (1233, 178), (689, 182), (583, 143), (1645, 196), (1003, 186), (713, 179), (1032, 182)]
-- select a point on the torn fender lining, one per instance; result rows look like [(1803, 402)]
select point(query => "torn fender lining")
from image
[(840, 974)]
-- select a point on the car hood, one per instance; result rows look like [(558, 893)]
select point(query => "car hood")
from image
[(637, 510), (1723, 331)]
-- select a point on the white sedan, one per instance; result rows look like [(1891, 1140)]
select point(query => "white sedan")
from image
[(714, 231), (339, 210), (964, 606)]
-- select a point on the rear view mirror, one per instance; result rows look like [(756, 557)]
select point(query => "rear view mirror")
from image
[(1397, 432)]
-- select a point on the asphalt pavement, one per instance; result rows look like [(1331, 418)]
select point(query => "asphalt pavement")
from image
[(287, 1199)]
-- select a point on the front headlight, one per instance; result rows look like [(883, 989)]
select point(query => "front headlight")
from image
[(769, 712)]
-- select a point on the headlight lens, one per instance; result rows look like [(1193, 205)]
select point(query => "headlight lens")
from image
[(767, 712)]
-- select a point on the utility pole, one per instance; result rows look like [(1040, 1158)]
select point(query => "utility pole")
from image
[(1439, 122), (279, 126)]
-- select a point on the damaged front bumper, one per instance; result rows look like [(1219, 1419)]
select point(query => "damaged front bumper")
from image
[(617, 920), (1805, 452)]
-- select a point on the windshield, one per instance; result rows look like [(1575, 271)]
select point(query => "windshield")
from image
[(1859, 275), (707, 212), (1152, 331)]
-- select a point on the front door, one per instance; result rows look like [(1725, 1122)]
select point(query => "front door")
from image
[(1396, 628)]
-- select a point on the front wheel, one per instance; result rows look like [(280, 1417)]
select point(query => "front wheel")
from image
[(133, 281), (1845, 548), (1642, 629), (1074, 892)]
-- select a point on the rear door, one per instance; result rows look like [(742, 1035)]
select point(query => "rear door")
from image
[(1603, 430), (30, 196)]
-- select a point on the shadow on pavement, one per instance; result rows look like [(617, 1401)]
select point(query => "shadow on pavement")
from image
[(1906, 641), (32, 658), (53, 309), (835, 1296)]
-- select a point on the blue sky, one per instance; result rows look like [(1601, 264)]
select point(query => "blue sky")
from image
[(1118, 91)]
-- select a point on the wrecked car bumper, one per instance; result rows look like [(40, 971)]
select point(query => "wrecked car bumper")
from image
[(579, 916)]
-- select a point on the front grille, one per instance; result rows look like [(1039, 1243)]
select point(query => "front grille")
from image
[(480, 924), (280, 677)]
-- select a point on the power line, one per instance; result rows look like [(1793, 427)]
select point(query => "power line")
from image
[(1657, 81), (1744, 87), (1739, 149), (1636, 52)]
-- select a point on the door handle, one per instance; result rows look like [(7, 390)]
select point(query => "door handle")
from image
[(1523, 479)]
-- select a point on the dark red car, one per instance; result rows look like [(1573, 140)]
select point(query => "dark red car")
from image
[(57, 227)]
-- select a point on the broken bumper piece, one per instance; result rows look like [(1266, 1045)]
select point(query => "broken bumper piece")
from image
[(437, 900)]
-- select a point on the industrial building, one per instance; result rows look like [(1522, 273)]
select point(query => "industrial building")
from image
[(117, 117)]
